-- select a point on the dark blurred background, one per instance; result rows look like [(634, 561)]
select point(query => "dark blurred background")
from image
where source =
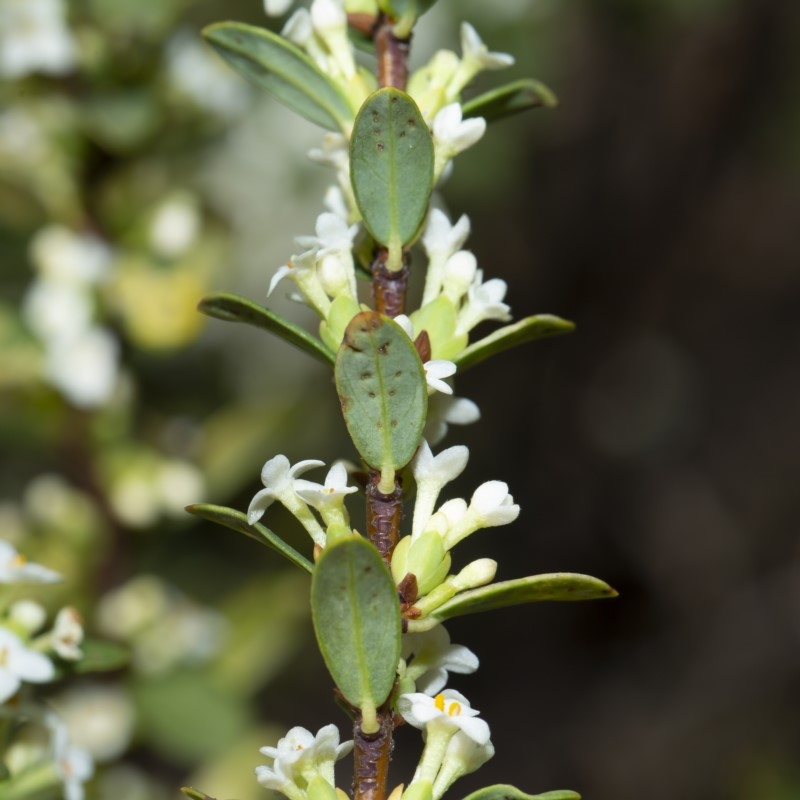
[(657, 447)]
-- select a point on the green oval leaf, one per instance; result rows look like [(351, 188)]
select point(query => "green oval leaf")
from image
[(101, 656), (282, 69), (533, 589), (391, 164), (503, 791), (233, 308), (529, 329), (382, 390), (237, 521), (510, 99), (356, 617)]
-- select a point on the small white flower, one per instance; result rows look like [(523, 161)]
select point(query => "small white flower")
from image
[(18, 663), (276, 8), (331, 493), (444, 411), (335, 202), (452, 135), (334, 253), (298, 29), (278, 477), (449, 711), (14, 568), (459, 274), (473, 50), (27, 615), (84, 368), (301, 756), (435, 372), (302, 270), (431, 473), (463, 756), (73, 764), (175, 227), (434, 657), (68, 634), (34, 37), (484, 302), (491, 505), (76, 259)]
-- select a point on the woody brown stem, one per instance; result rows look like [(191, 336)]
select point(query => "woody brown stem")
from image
[(392, 55), (384, 512), (373, 752), (389, 286)]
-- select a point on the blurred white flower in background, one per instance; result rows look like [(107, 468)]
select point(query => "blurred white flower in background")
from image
[(194, 71), (34, 37), (81, 358), (100, 719)]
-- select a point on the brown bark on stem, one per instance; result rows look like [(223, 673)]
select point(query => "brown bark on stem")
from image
[(384, 512), (372, 754), (392, 56), (389, 287)]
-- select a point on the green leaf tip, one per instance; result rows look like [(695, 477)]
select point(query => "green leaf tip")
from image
[(273, 63), (555, 586), (391, 161), (237, 521), (382, 391), (504, 791), (233, 308), (356, 615), (510, 99), (541, 326), (194, 794)]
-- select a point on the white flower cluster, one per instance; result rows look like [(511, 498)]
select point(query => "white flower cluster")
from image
[(27, 657), (80, 355), (281, 483), (425, 553)]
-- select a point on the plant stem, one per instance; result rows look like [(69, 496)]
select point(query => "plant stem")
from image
[(384, 512), (392, 55), (389, 286), (372, 753)]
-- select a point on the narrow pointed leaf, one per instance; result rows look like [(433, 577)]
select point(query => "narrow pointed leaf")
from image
[(194, 794), (237, 521), (382, 390), (533, 589), (510, 99), (529, 329), (233, 308), (282, 69), (502, 791), (391, 162), (356, 617)]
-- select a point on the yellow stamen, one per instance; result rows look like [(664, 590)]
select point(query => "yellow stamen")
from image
[(438, 701), (454, 710)]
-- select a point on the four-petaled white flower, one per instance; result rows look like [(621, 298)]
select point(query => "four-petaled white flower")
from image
[(14, 568), (301, 756), (18, 663), (431, 473), (278, 477), (333, 247), (68, 634), (449, 711), (434, 657), (328, 498)]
